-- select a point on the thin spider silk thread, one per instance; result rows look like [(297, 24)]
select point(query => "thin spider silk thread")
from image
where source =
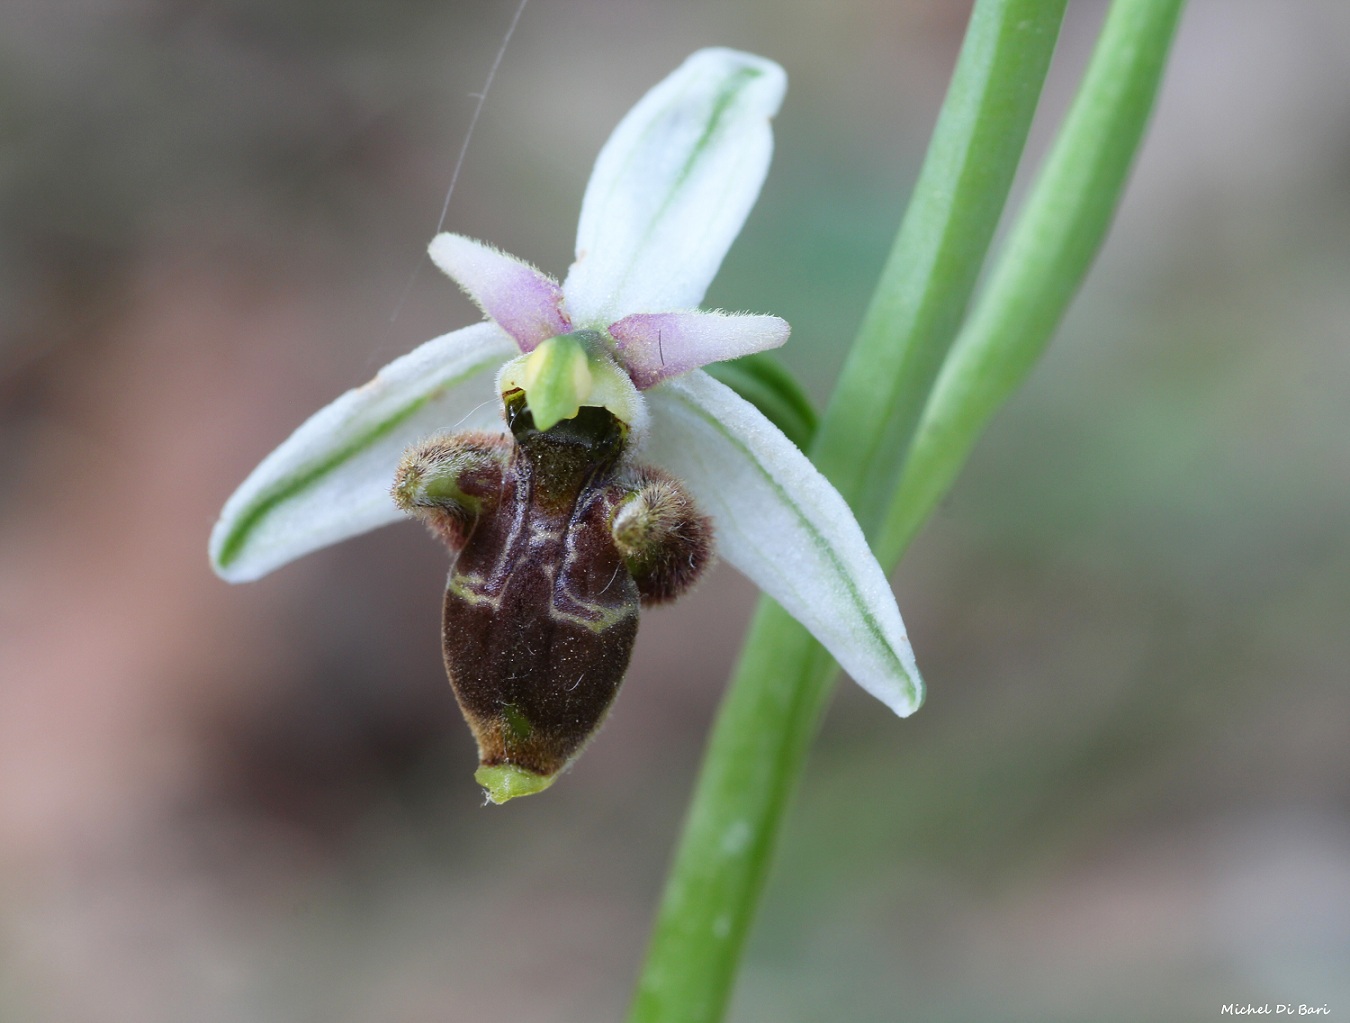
[(481, 96)]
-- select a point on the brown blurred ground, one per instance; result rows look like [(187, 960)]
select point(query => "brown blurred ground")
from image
[(1128, 795)]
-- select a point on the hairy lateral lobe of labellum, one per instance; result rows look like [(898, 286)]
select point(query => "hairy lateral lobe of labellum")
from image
[(445, 481)]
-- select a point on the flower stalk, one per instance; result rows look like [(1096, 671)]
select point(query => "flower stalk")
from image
[(783, 680), (1047, 256)]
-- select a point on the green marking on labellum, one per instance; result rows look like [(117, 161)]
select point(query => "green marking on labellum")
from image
[(518, 724)]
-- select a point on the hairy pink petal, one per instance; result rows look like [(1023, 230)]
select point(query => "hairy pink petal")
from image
[(524, 302), (656, 346)]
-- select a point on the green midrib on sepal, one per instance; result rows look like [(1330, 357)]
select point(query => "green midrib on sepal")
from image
[(913, 685), (767, 384), (721, 104), (236, 540)]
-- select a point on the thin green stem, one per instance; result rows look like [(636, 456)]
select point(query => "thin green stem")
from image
[(931, 272), (783, 681), (1048, 253), (755, 755)]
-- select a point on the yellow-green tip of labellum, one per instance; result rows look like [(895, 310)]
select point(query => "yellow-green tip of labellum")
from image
[(507, 781), (557, 380)]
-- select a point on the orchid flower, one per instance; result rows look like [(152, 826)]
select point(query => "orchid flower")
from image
[(622, 334)]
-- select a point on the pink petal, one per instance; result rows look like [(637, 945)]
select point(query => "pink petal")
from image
[(524, 302), (656, 346)]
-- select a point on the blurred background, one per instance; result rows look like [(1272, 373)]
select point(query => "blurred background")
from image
[(1128, 795)]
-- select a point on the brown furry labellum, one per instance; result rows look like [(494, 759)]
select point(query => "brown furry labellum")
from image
[(557, 540)]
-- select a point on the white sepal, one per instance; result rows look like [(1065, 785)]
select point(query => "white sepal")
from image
[(782, 524), (330, 479), (672, 187)]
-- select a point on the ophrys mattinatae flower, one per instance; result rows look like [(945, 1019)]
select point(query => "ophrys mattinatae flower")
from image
[(609, 450)]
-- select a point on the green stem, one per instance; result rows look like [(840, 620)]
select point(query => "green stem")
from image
[(931, 272), (783, 681), (755, 755), (1047, 255)]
